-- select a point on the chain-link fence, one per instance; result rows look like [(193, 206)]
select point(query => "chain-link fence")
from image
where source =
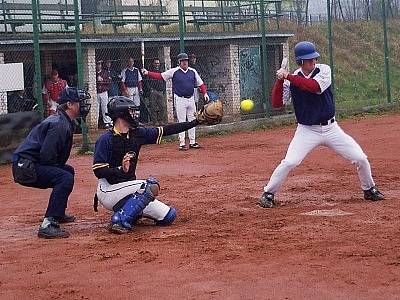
[(236, 47)]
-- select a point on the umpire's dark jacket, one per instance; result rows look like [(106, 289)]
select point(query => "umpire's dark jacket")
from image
[(50, 142)]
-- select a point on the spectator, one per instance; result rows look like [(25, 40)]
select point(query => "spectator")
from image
[(18, 101), (115, 79), (51, 92), (156, 95), (131, 82), (193, 64), (103, 83)]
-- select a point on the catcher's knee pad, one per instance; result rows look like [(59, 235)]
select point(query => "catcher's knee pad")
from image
[(169, 218), (133, 207)]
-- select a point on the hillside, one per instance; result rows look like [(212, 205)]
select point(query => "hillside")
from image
[(358, 60)]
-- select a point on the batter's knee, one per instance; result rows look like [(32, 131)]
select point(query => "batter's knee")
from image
[(290, 164), (169, 218)]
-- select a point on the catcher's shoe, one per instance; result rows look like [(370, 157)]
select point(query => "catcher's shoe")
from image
[(373, 194), (117, 229), (182, 148), (65, 219), (194, 146), (267, 200), (52, 231)]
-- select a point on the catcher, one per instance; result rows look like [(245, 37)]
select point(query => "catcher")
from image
[(115, 159)]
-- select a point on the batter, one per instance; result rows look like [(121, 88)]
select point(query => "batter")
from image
[(309, 87)]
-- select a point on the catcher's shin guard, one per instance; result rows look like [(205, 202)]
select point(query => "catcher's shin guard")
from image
[(169, 218), (134, 206)]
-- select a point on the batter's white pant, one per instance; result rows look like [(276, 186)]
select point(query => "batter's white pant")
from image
[(134, 92), (102, 100), (110, 194), (185, 110), (306, 139)]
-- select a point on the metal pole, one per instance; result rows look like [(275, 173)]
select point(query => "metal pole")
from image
[(330, 44), (78, 46), (36, 54), (264, 61), (386, 49), (181, 26)]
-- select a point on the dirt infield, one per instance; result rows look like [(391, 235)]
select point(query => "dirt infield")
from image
[(222, 246)]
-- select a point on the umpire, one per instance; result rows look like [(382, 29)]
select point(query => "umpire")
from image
[(40, 161)]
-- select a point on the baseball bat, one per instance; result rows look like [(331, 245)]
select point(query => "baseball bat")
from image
[(142, 52), (284, 63)]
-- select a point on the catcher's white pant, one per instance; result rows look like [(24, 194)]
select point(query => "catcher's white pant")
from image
[(110, 194), (102, 100), (134, 95), (306, 139), (185, 108)]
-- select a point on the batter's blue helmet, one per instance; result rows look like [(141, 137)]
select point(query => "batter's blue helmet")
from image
[(305, 50)]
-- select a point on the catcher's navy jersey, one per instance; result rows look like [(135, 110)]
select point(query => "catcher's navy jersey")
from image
[(112, 146)]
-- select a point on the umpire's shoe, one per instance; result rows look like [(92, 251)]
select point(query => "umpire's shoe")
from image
[(52, 231), (65, 219), (373, 194), (267, 200)]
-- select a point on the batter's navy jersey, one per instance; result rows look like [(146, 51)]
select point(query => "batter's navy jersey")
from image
[(183, 82), (112, 146), (312, 108)]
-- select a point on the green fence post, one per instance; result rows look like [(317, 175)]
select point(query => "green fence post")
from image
[(330, 44), (36, 54), (264, 61), (181, 26), (386, 50), (85, 140)]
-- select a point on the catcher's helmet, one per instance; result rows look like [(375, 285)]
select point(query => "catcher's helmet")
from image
[(305, 50), (73, 94), (124, 108), (182, 56)]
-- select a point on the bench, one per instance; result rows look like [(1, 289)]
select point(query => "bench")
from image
[(231, 15), (121, 15), (20, 14)]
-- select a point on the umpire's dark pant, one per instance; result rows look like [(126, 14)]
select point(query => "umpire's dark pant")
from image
[(61, 179)]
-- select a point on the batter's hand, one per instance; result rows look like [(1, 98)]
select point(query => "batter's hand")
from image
[(126, 162), (206, 98), (145, 72), (282, 74)]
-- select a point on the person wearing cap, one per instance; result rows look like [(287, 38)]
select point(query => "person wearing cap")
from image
[(184, 81), (40, 160), (194, 65), (51, 91), (309, 88), (103, 84)]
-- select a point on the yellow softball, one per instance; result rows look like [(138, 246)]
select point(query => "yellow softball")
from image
[(246, 105)]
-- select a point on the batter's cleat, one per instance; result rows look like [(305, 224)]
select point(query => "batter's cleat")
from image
[(182, 148), (194, 146), (117, 229), (65, 219), (267, 200), (373, 194), (52, 231)]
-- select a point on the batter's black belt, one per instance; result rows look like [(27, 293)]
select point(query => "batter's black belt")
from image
[(326, 122), (187, 97)]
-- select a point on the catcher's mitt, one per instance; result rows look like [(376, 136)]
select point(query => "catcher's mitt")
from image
[(211, 113)]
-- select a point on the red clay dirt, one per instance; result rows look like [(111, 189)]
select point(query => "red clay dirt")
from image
[(222, 246)]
